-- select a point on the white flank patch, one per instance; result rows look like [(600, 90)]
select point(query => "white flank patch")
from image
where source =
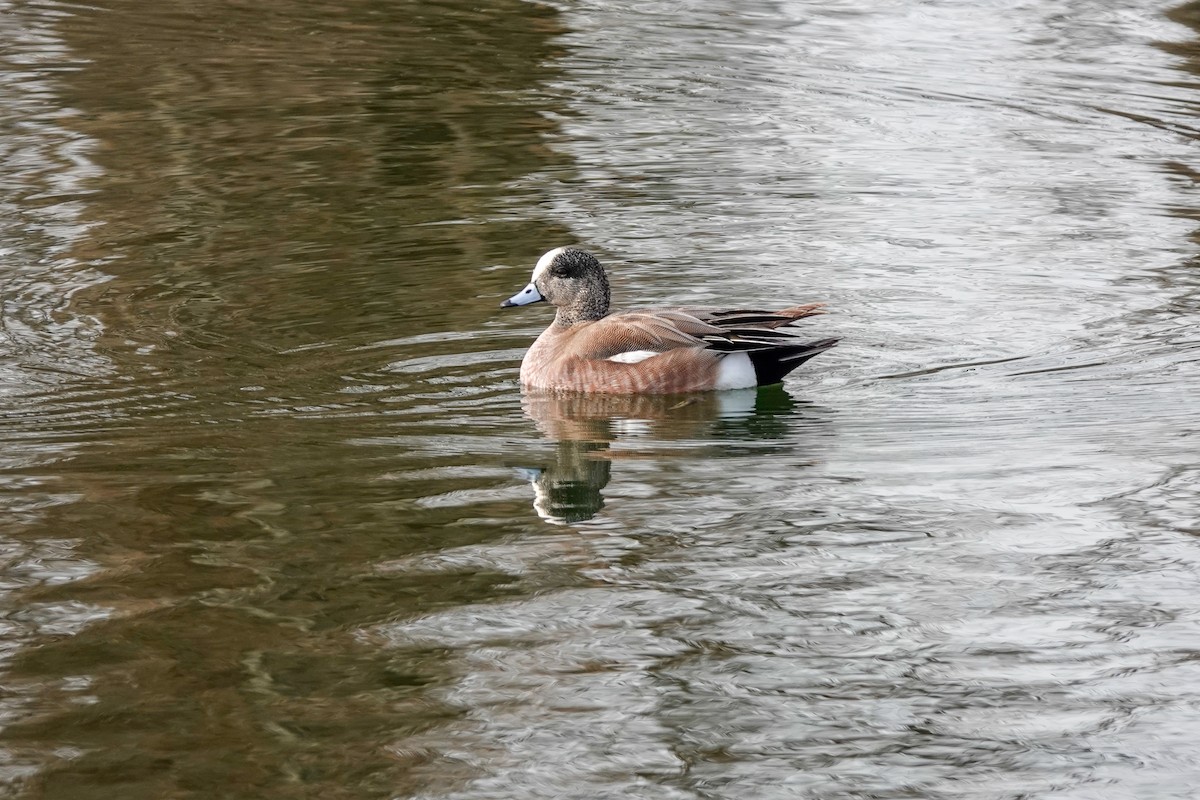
[(735, 372), (543, 263), (633, 356)]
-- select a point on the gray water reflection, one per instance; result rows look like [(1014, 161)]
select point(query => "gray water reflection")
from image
[(262, 534)]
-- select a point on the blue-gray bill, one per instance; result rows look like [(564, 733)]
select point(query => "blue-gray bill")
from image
[(529, 294)]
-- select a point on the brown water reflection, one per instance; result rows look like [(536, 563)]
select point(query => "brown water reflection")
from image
[(272, 190)]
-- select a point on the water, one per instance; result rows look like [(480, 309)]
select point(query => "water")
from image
[(278, 522)]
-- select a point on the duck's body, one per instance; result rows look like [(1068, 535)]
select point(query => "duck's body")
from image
[(652, 351)]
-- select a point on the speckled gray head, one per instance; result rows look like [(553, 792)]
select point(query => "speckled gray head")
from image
[(571, 279)]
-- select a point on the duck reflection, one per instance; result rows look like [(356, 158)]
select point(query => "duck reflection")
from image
[(590, 431)]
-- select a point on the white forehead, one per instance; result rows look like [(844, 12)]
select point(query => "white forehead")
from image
[(544, 262)]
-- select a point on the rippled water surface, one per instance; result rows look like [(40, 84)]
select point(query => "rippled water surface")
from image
[(277, 521)]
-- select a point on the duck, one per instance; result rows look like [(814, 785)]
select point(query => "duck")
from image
[(676, 350)]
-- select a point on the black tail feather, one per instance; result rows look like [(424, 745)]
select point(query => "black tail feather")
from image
[(773, 363)]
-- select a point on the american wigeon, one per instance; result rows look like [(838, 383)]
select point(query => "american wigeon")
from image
[(653, 351)]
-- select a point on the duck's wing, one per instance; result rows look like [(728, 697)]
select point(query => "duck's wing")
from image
[(667, 351), (651, 331), (641, 333), (751, 329), (731, 318)]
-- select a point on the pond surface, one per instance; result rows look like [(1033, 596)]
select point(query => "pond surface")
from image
[(276, 520)]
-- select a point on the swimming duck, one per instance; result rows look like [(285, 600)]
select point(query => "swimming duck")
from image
[(651, 351)]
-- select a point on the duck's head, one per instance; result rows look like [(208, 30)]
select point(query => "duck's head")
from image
[(571, 279)]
